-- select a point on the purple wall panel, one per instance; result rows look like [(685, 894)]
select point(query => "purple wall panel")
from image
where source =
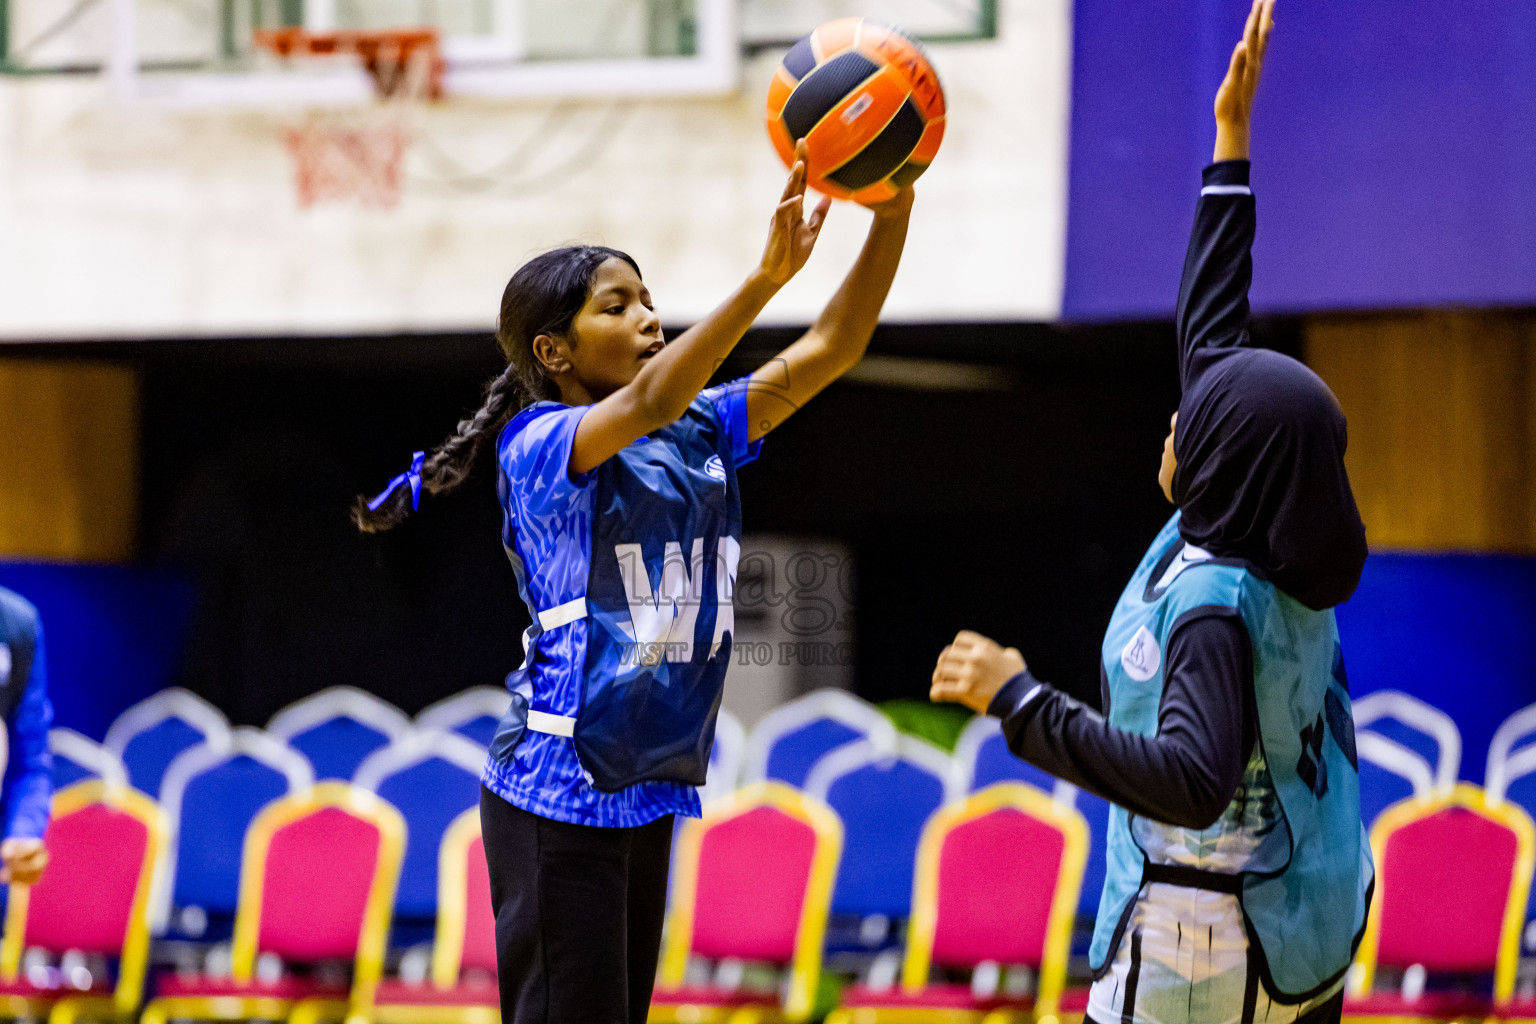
[(1395, 153)]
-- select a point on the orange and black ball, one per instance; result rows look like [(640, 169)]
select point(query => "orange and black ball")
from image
[(867, 102)]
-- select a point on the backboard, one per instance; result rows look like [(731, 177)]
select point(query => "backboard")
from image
[(200, 52)]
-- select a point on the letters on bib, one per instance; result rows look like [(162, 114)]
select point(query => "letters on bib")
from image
[(662, 621)]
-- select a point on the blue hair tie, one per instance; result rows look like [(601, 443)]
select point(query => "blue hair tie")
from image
[(411, 476)]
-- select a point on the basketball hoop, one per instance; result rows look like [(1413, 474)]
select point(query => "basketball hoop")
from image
[(357, 155)]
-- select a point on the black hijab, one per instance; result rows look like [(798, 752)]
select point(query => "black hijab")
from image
[(1260, 452)]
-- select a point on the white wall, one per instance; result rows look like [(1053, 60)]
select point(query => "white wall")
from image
[(128, 220)]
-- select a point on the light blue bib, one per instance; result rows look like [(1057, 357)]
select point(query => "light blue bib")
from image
[(1303, 867)]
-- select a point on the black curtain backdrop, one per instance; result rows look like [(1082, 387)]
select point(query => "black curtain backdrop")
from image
[(1017, 512)]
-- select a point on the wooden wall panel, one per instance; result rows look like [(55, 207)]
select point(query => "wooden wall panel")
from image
[(1442, 425), (70, 436)]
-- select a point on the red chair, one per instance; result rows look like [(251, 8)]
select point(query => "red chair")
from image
[(754, 883), (463, 986), (104, 842), (997, 881), (1453, 874), (317, 883)]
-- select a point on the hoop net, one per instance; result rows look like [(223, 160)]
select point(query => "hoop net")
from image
[(357, 155)]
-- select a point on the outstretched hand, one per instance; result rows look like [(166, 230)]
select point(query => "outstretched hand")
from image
[(1234, 99), (792, 237)]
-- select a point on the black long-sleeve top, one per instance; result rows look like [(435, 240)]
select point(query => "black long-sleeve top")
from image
[(1187, 773), (1212, 314)]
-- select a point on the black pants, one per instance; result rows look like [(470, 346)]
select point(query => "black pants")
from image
[(578, 915)]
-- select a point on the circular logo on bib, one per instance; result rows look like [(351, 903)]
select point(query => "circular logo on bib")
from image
[(1141, 656)]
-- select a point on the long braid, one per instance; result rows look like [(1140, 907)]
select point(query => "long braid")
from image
[(449, 464), (543, 297), (451, 461)]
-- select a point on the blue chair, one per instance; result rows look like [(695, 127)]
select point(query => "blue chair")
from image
[(473, 714), (982, 759), (724, 758), (1413, 725), (1511, 771), (77, 758), (431, 777), (884, 795), (150, 734), (210, 794), (337, 728), (1389, 773), (791, 738), (1511, 775)]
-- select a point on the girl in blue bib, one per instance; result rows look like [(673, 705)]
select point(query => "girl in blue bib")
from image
[(25, 763), (1238, 874), (621, 516)]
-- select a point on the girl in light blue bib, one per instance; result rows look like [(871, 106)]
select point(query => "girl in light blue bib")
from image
[(1238, 872)]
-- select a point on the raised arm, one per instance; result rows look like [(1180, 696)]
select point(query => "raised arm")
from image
[(1218, 269), (673, 377), (836, 342)]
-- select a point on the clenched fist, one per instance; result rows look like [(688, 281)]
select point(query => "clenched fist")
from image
[(972, 669)]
